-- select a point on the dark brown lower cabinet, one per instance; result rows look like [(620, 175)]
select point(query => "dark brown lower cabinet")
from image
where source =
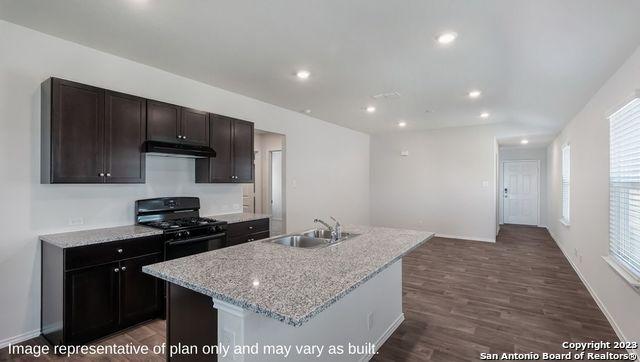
[(140, 294), (91, 307), (247, 231), (91, 291)]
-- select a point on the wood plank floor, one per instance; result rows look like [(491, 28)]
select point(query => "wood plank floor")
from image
[(462, 298)]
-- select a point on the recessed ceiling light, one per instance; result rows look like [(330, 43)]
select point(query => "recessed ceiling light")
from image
[(370, 109), (303, 74), (446, 38), (307, 111), (474, 93), (524, 141), (402, 124), (485, 115)]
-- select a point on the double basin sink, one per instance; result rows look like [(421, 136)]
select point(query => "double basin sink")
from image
[(311, 239)]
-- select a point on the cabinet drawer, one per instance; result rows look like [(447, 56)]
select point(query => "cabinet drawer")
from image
[(83, 256), (248, 227), (248, 238)]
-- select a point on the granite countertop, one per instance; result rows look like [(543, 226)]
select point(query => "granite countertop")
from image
[(239, 217), (97, 236), (285, 283)]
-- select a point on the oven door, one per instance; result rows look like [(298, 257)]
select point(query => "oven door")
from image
[(179, 248)]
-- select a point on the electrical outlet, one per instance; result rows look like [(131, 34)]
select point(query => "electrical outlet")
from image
[(74, 221), (370, 320)]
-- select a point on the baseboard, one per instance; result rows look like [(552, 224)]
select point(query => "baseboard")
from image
[(392, 328), (19, 338), (487, 240), (599, 302)]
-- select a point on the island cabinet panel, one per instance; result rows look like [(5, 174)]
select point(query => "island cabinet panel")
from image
[(194, 127), (232, 139), (163, 122), (248, 231), (91, 135), (125, 131), (91, 291)]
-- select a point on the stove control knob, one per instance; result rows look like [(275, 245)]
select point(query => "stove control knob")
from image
[(186, 233), (179, 234)]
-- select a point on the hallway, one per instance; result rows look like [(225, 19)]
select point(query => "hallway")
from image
[(463, 298)]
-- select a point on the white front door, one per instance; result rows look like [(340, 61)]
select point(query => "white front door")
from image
[(520, 192)]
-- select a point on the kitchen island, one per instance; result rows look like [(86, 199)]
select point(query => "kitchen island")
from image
[(270, 297)]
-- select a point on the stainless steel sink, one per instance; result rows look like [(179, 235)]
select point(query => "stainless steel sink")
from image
[(301, 241), (326, 234), (310, 239), (318, 233)]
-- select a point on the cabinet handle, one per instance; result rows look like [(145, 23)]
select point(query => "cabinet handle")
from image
[(120, 251), (179, 136), (101, 174), (116, 270), (250, 227), (184, 137), (250, 239), (108, 174), (124, 268)]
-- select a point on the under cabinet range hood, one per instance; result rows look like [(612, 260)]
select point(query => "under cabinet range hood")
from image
[(177, 150)]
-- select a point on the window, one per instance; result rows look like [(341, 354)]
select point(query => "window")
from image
[(566, 183), (624, 186)]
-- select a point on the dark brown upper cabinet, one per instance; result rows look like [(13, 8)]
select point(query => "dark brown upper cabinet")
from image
[(170, 123), (232, 139), (90, 135), (194, 127), (125, 131), (163, 122)]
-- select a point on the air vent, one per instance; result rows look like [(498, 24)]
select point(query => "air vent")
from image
[(387, 95)]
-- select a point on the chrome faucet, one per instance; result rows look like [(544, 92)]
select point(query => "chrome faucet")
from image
[(336, 231)]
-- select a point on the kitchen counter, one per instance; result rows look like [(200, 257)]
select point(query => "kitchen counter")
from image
[(289, 284), (97, 236), (239, 217)]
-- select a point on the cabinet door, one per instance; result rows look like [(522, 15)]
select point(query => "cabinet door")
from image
[(125, 131), (194, 127), (91, 303), (243, 151), (77, 133), (163, 122), (140, 294), (217, 169)]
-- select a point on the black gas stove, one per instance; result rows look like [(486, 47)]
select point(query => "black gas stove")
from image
[(186, 233)]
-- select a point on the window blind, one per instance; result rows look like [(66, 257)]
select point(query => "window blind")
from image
[(624, 186), (566, 182)]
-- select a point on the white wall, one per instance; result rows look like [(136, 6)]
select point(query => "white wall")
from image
[(586, 241), (530, 154), (439, 186), (29, 208)]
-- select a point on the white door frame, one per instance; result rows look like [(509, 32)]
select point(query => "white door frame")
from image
[(281, 183), (502, 187)]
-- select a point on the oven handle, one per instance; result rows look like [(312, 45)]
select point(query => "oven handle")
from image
[(195, 240)]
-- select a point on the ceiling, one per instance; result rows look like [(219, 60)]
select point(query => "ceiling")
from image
[(536, 62)]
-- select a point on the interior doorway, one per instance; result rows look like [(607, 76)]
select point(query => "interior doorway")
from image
[(268, 191)]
